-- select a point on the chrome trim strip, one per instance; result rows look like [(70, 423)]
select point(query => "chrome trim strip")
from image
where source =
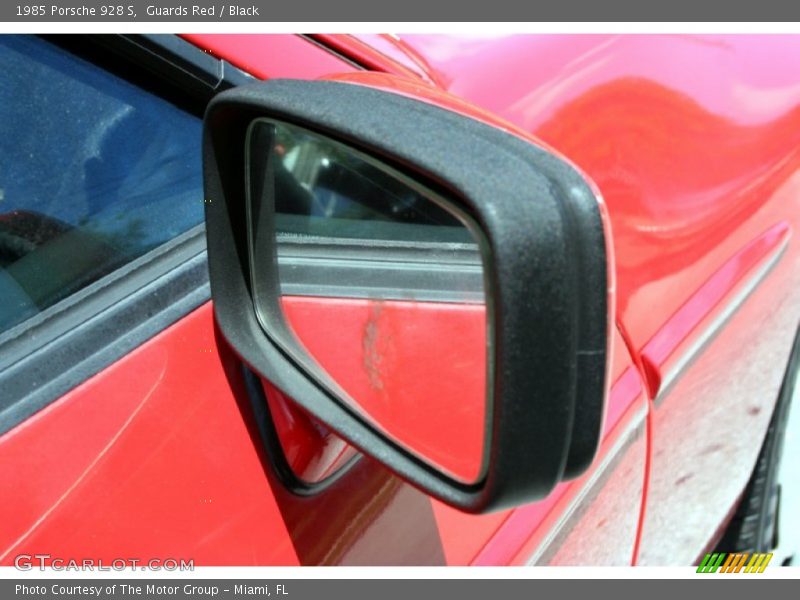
[(715, 327)]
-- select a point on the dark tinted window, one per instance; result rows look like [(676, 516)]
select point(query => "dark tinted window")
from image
[(94, 172)]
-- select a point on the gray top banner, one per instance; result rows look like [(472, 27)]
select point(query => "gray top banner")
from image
[(119, 11)]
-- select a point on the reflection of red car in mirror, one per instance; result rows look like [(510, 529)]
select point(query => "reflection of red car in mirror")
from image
[(134, 425)]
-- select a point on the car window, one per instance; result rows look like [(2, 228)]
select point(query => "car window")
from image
[(94, 172)]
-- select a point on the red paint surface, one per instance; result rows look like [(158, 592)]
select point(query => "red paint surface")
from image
[(701, 304), (694, 144), (312, 451), (272, 56), (688, 160), (380, 52), (150, 458), (416, 370)]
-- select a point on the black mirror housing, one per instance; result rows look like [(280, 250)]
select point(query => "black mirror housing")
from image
[(549, 303)]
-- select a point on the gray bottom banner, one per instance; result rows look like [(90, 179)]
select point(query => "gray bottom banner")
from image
[(383, 589)]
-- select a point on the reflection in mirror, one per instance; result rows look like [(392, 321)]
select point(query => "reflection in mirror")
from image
[(381, 291)]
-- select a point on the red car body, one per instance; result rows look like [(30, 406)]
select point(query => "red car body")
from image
[(694, 145)]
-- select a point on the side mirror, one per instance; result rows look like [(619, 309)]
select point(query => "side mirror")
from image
[(431, 287)]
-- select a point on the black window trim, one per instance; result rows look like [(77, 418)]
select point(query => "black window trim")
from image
[(46, 356)]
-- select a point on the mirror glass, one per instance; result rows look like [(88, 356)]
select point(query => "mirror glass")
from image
[(375, 283)]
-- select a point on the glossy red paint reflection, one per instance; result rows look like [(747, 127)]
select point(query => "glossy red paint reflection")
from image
[(693, 143), (160, 456), (684, 157), (384, 53), (139, 462), (272, 56), (700, 305), (313, 452), (415, 370), (351, 521)]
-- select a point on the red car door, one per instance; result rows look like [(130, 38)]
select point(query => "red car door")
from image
[(132, 431)]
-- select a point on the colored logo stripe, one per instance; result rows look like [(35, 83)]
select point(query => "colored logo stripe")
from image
[(734, 563), (711, 563)]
